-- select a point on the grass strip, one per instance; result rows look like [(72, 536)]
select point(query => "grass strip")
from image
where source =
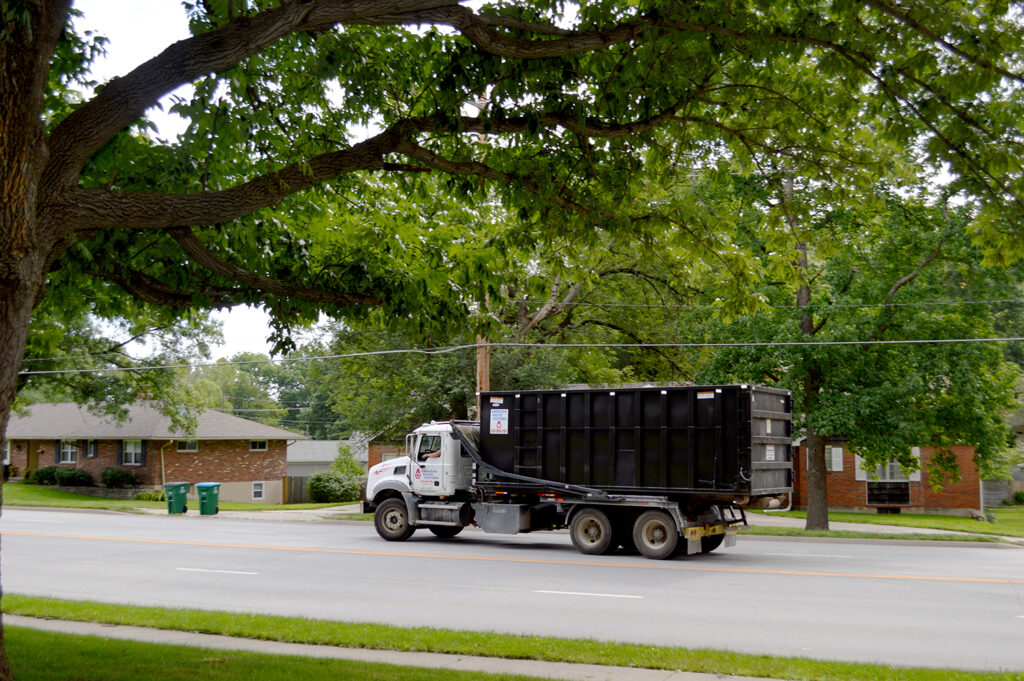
[(47, 656), (853, 534), (1009, 520), (25, 494), (425, 639)]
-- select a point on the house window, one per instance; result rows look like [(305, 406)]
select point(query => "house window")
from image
[(833, 459), (889, 472), (131, 453), (7, 453), (92, 449), (257, 445), (257, 490), (188, 445), (68, 451)]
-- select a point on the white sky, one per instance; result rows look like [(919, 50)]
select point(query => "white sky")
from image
[(138, 30)]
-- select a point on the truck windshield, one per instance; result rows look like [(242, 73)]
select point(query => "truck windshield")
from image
[(430, 447)]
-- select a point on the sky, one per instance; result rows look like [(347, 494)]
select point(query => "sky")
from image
[(138, 30)]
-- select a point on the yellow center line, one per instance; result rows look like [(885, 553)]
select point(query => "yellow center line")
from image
[(647, 564)]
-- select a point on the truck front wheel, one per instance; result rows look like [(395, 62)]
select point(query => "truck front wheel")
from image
[(591, 532), (655, 534), (391, 519)]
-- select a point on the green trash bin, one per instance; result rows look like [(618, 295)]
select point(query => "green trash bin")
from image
[(209, 497), (177, 497)]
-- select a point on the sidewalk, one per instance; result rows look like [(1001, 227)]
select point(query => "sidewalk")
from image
[(463, 663)]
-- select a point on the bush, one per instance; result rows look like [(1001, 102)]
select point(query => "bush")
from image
[(151, 495), (118, 478), (74, 477), (1018, 498), (333, 487), (47, 475)]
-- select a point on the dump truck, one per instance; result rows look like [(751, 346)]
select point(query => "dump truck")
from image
[(663, 471)]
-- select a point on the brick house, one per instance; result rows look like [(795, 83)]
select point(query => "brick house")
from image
[(888, 489), (247, 458)]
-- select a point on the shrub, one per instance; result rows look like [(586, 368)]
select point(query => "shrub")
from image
[(73, 477), (151, 495), (47, 475), (1018, 498), (333, 487), (118, 478)]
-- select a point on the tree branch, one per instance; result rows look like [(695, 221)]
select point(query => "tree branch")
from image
[(205, 258)]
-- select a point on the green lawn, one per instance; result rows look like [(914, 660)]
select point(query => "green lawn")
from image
[(22, 494), (1009, 521), (33, 657), (424, 639)]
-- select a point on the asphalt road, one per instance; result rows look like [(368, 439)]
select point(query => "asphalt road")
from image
[(955, 606)]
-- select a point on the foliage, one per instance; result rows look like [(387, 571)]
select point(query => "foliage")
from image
[(345, 463), (151, 495), (118, 478), (881, 277), (45, 475), (332, 486), (73, 477)]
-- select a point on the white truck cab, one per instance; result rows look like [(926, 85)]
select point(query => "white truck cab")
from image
[(434, 466)]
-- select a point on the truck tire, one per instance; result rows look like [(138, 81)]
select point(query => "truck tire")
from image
[(591, 532), (655, 534), (391, 519), (445, 531), (711, 542)]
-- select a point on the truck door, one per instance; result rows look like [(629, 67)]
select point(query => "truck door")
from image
[(432, 466)]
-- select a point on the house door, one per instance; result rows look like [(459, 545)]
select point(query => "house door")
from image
[(33, 456)]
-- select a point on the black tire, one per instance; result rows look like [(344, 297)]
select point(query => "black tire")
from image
[(184, 509), (445, 531), (711, 542), (655, 534), (591, 532), (391, 520)]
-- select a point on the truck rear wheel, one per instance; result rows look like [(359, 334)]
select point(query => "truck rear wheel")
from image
[(391, 519), (591, 532), (655, 534)]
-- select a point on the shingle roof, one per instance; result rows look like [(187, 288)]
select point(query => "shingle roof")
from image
[(67, 420), (314, 451)]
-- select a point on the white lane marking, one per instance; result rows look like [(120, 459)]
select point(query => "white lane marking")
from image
[(582, 593), (808, 555), (223, 572)]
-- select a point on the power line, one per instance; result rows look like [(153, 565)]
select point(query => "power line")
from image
[(553, 346)]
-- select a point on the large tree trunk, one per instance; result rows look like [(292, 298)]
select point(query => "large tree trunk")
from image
[(25, 246)]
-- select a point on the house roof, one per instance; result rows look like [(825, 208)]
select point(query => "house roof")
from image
[(313, 451), (67, 420)]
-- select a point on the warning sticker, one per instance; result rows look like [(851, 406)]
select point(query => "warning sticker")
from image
[(769, 452), (707, 395), (499, 422)]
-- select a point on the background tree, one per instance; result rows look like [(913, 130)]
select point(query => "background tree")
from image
[(893, 271)]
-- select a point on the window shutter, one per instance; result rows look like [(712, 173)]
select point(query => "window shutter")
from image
[(56, 451), (143, 460), (858, 472), (120, 452), (916, 475)]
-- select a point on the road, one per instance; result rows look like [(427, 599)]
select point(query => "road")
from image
[(902, 604)]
